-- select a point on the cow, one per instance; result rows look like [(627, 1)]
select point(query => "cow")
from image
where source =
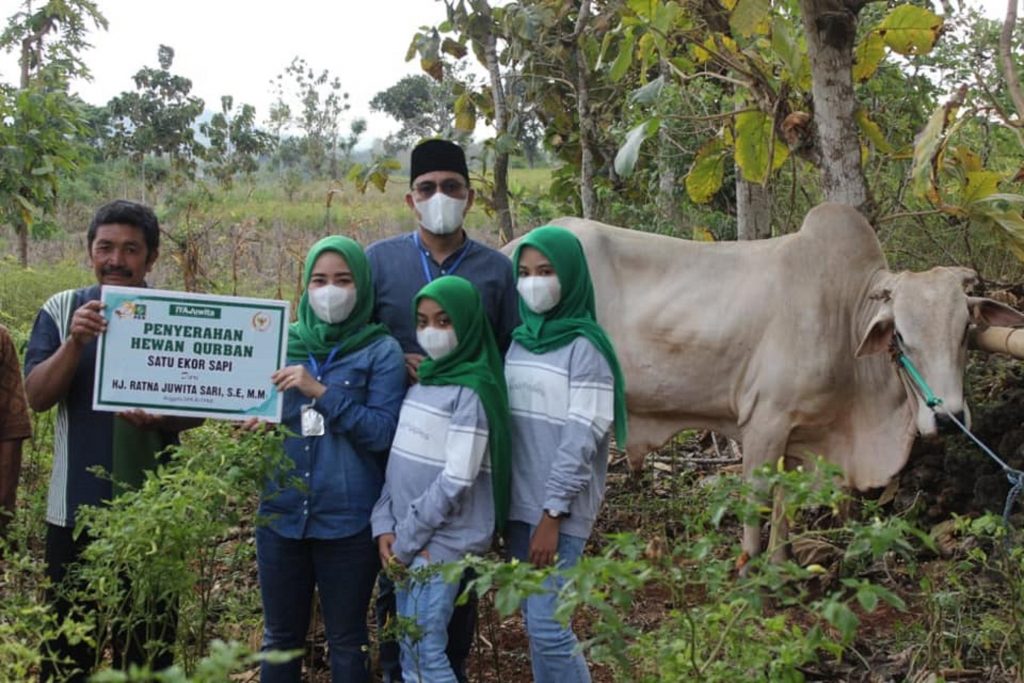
[(784, 343)]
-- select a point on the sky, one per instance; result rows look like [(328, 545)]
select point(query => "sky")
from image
[(234, 47)]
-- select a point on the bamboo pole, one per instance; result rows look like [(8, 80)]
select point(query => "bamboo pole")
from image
[(1008, 340)]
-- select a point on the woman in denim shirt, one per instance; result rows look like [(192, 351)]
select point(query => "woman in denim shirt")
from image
[(343, 388)]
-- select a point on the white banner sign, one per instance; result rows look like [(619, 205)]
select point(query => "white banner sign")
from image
[(199, 355)]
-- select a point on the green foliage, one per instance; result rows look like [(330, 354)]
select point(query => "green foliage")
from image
[(422, 105), (170, 537), (40, 121), (38, 125), (758, 151), (52, 36), (775, 624), (158, 118), (626, 158), (235, 143), (376, 173), (315, 103), (24, 290), (224, 659), (910, 30)]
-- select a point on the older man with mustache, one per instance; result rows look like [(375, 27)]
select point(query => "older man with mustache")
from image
[(123, 241)]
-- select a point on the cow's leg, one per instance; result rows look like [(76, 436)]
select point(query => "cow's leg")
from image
[(760, 446)]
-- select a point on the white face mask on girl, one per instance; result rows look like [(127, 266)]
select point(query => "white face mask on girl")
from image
[(437, 342), (331, 303), (441, 214), (540, 293)]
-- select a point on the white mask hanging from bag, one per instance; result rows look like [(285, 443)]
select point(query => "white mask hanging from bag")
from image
[(540, 293), (331, 303)]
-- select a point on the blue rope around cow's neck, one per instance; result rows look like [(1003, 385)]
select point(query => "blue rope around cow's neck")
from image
[(1014, 476)]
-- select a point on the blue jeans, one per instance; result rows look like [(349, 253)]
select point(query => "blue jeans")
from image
[(554, 650), (461, 630), (343, 570), (431, 603)]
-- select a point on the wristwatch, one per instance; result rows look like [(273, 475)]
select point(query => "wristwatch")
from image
[(555, 514)]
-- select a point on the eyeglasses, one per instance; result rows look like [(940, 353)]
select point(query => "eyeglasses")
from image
[(452, 188)]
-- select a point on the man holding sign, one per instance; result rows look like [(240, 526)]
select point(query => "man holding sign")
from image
[(123, 241)]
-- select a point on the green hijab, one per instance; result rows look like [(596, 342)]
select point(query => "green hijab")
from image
[(474, 363), (311, 336), (574, 315)]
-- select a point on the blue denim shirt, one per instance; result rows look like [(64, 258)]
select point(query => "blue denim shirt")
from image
[(343, 470)]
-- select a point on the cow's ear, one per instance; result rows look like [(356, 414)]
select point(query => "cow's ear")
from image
[(879, 334), (991, 312)]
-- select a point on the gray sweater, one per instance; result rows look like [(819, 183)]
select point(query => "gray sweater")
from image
[(562, 412), (437, 490)]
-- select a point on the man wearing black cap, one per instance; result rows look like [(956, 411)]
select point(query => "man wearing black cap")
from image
[(439, 196)]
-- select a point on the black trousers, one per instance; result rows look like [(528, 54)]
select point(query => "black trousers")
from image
[(64, 661)]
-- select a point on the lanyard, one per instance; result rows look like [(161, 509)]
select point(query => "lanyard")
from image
[(316, 367), (426, 267)]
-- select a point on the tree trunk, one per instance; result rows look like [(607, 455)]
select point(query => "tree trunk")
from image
[(1006, 58), (505, 225), (21, 228), (668, 208), (753, 210), (831, 28), (588, 197)]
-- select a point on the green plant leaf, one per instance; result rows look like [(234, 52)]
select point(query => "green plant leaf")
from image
[(507, 599), (624, 59), (754, 130), (872, 131), (626, 158), (711, 45), (705, 176), (465, 113), (786, 46), (842, 618), (910, 30), (702, 234), (648, 94), (750, 17), (1001, 213), (927, 148), (867, 55), (978, 185)]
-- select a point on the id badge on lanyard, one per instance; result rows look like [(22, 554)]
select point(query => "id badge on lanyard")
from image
[(312, 421)]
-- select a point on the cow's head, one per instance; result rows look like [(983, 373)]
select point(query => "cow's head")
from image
[(929, 314)]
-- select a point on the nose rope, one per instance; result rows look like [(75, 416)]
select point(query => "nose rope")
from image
[(1014, 476)]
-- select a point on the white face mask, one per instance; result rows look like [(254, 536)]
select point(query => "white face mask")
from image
[(436, 342), (441, 214), (332, 303), (540, 293)]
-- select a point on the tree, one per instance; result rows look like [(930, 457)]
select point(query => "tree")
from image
[(158, 119), (424, 107), (235, 143), (488, 31), (831, 30), (321, 104), (40, 121)]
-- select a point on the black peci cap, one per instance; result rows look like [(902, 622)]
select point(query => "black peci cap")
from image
[(437, 155)]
